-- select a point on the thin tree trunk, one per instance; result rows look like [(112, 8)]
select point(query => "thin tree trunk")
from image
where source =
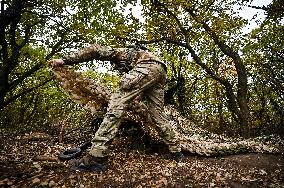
[(3, 88)]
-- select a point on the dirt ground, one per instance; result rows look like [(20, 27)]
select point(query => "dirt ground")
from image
[(31, 161)]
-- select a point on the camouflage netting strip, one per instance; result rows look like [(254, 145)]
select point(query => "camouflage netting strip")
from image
[(85, 92), (93, 97), (202, 142)]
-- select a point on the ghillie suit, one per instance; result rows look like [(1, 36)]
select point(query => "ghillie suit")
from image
[(94, 97)]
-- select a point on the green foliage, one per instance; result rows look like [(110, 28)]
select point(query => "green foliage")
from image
[(170, 28), (44, 109), (44, 30), (265, 57), (109, 80)]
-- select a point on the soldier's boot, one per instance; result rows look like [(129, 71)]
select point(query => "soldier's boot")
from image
[(89, 163)]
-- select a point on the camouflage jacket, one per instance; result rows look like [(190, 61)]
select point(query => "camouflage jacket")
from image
[(120, 57)]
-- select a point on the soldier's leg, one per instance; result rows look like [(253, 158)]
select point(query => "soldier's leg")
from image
[(132, 84), (155, 103), (109, 127)]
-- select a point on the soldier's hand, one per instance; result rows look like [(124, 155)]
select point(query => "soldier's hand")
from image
[(56, 63)]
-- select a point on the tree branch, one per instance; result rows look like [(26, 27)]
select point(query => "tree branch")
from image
[(8, 101), (27, 34), (14, 83), (258, 7), (183, 30), (38, 66), (224, 48), (188, 46), (241, 70), (194, 56)]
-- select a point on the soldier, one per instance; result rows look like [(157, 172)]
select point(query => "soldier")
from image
[(145, 75)]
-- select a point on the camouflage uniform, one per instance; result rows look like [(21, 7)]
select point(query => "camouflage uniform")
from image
[(145, 81)]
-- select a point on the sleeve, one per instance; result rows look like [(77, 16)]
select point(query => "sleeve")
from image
[(95, 51)]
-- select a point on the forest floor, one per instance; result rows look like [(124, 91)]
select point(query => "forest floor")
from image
[(30, 160)]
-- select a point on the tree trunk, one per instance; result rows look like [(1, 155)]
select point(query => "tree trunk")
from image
[(3, 88)]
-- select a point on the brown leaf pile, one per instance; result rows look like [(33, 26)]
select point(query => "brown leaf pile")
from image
[(19, 167)]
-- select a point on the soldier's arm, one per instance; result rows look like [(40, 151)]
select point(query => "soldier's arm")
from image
[(95, 51)]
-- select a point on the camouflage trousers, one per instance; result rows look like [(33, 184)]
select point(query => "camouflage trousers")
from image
[(144, 82)]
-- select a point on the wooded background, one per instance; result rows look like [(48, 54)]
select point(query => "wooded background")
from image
[(219, 77)]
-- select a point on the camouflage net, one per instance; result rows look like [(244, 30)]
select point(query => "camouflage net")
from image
[(93, 97)]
